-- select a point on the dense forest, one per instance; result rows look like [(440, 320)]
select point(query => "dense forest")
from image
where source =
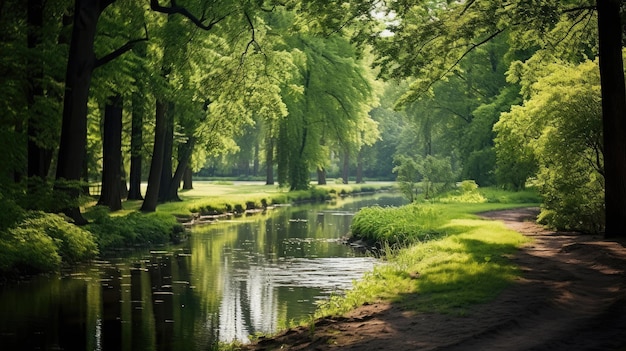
[(504, 93)]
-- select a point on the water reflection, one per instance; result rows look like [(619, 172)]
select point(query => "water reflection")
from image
[(227, 282)]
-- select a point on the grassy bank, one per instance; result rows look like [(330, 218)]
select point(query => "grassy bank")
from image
[(224, 196), (439, 256), (33, 242)]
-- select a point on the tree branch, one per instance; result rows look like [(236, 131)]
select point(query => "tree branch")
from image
[(119, 51), (252, 41), (470, 49), (581, 8), (175, 9), (467, 6)]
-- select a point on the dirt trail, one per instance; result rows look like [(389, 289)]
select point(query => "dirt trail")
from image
[(571, 296)]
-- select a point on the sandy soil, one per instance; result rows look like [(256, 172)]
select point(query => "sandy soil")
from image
[(572, 296)]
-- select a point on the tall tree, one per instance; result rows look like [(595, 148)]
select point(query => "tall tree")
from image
[(429, 40), (111, 193), (613, 114)]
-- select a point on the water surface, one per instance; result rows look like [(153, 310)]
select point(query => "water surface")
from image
[(228, 281)]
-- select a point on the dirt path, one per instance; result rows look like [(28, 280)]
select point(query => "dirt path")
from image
[(572, 296)]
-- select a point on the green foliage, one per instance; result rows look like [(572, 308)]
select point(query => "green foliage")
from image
[(10, 213), (434, 175), (447, 273), (41, 242), (397, 225), (134, 229), (408, 176), (467, 192), (559, 126)]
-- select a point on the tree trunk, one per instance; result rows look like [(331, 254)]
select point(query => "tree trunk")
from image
[(39, 157), (168, 147), (80, 65), (184, 156), (111, 194), (269, 159), (321, 176), (613, 115), (136, 144), (154, 178), (188, 179)]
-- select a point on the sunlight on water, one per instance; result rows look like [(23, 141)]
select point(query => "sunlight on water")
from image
[(230, 280)]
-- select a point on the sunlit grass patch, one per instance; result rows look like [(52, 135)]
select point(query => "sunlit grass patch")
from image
[(466, 264)]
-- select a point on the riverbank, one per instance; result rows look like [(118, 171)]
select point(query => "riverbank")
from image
[(37, 242), (570, 295)]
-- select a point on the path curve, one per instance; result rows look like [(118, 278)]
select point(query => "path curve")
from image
[(571, 296)]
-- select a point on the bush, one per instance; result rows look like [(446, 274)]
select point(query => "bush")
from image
[(10, 213), (135, 229), (466, 193), (396, 225), (42, 242)]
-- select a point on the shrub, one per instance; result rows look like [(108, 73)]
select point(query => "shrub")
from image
[(396, 225), (135, 229), (41, 242)]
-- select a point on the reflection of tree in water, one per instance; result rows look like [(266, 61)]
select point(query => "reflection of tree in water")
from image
[(231, 280)]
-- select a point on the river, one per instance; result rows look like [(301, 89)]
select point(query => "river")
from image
[(230, 280)]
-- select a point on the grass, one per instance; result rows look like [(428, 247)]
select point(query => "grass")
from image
[(464, 262), (440, 256), (213, 197)]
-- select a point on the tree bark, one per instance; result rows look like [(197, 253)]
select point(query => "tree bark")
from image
[(80, 65), (188, 179), (136, 144), (111, 194), (184, 156), (613, 115), (39, 157), (168, 147), (154, 178), (321, 176)]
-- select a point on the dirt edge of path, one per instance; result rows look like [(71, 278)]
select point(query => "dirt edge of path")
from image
[(571, 296)]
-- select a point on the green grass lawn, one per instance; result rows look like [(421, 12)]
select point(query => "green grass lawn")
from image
[(226, 196), (438, 256), (462, 262)]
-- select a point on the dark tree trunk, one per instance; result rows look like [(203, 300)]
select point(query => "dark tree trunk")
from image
[(321, 176), (168, 147), (154, 178), (269, 159), (80, 65), (345, 170), (111, 194), (184, 156), (136, 144), (188, 179), (39, 157), (359, 167), (613, 115)]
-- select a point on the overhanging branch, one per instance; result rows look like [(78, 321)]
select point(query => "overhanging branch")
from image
[(175, 9), (119, 51)]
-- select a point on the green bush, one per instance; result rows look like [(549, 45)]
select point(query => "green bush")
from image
[(28, 251), (10, 213), (42, 242), (396, 225), (135, 229)]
